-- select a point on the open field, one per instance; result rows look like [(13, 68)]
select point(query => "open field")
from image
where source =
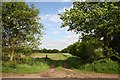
[(53, 56), (63, 39)]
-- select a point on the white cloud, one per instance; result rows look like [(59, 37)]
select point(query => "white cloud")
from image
[(53, 17), (60, 44), (43, 17), (55, 32), (63, 9)]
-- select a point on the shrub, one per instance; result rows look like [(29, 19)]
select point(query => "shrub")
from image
[(102, 66), (86, 50), (25, 66)]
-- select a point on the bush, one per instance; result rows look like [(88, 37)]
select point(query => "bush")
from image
[(29, 66), (102, 66), (86, 50)]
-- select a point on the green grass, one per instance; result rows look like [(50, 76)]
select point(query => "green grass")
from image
[(0, 66), (53, 56), (25, 68), (60, 68), (38, 63), (35, 64), (102, 66)]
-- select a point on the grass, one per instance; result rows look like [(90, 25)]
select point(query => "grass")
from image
[(35, 64), (25, 68), (0, 66), (60, 68), (53, 56), (102, 66), (38, 63)]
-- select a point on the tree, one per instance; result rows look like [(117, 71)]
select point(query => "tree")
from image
[(21, 27), (99, 20), (73, 48), (65, 50), (55, 51), (87, 50)]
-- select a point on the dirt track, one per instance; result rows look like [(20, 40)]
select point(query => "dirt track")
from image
[(62, 73)]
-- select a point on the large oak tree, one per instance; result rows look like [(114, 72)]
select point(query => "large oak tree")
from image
[(98, 20), (21, 27)]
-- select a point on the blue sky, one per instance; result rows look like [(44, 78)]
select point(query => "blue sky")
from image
[(54, 37)]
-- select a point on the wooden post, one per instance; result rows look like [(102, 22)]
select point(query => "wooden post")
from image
[(46, 58)]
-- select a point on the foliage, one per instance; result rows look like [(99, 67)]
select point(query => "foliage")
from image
[(102, 66), (99, 20), (73, 49), (34, 65), (24, 68), (87, 50), (65, 50), (21, 27), (44, 50)]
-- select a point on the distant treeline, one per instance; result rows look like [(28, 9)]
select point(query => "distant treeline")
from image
[(47, 51), (44, 50)]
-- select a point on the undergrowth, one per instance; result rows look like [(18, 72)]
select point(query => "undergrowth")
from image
[(102, 66), (35, 65)]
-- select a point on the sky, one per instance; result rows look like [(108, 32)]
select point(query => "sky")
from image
[(54, 37)]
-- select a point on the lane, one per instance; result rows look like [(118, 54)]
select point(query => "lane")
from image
[(61, 73)]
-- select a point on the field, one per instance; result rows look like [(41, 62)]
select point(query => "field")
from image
[(59, 65), (53, 56), (60, 39)]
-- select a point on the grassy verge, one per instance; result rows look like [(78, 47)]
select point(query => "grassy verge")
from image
[(0, 65), (59, 61), (102, 66), (11, 67), (99, 66), (33, 65)]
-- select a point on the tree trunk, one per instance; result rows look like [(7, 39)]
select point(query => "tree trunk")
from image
[(11, 56)]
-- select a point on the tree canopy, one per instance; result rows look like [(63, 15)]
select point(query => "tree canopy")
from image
[(98, 20), (44, 50), (21, 26)]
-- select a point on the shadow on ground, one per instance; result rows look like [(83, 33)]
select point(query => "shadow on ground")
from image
[(70, 63)]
